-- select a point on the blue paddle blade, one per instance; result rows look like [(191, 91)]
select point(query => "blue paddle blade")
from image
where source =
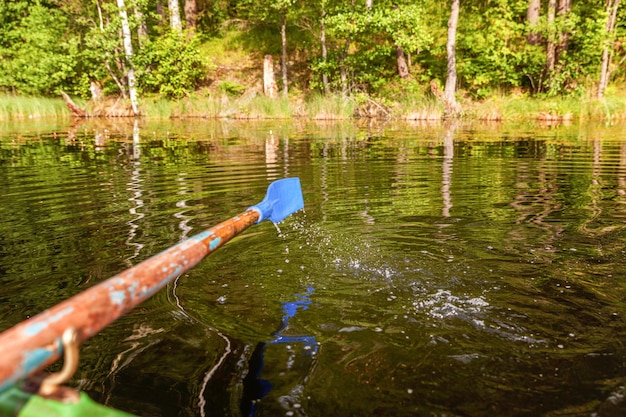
[(283, 198)]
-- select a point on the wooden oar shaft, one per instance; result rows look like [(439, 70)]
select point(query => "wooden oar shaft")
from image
[(36, 343)]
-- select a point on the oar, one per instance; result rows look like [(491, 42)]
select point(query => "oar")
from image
[(36, 343)]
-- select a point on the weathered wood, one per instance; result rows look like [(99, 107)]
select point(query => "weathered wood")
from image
[(403, 68), (35, 343), (269, 82), (76, 111)]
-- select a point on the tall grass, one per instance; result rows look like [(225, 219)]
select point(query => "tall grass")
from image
[(330, 107), (562, 108), (15, 107), (417, 108), (261, 107), (254, 106)]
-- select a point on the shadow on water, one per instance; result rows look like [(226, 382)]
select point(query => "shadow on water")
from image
[(299, 360), (448, 270)]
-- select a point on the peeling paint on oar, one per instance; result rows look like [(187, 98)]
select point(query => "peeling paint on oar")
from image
[(36, 343)]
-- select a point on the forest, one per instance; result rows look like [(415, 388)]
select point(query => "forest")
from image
[(377, 52)]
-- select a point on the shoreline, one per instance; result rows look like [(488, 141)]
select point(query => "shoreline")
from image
[(325, 108)]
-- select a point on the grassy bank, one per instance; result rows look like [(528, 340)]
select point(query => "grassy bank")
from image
[(21, 108), (254, 106)]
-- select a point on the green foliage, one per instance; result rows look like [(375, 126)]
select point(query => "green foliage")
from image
[(171, 65), (489, 48), (231, 88), (38, 55), (49, 45)]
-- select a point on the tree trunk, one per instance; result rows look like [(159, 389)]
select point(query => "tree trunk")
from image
[(452, 107), (550, 46), (128, 49), (74, 109), (160, 9), (563, 10), (607, 50), (142, 27), (283, 40), (343, 73), (324, 51), (532, 19), (191, 14), (269, 82), (403, 68), (174, 9)]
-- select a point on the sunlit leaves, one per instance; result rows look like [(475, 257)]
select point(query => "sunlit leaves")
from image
[(42, 56), (171, 65)]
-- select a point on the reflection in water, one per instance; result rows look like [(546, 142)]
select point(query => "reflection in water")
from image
[(513, 305), (446, 166), (136, 145), (182, 204), (134, 186), (271, 156), (255, 387)]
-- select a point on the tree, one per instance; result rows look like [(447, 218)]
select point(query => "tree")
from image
[(174, 9), (452, 107), (39, 53), (128, 48), (283, 43), (608, 47), (551, 39), (563, 11), (532, 20), (191, 14), (324, 48)]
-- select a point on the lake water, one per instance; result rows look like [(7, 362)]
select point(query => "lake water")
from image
[(459, 270)]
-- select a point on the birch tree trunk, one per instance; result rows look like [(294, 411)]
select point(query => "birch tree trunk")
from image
[(607, 50), (175, 22), (452, 107), (283, 40), (128, 49), (532, 19)]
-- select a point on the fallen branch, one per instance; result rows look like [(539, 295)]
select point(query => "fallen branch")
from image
[(76, 111)]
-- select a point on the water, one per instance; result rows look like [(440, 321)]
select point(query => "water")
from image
[(435, 271)]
